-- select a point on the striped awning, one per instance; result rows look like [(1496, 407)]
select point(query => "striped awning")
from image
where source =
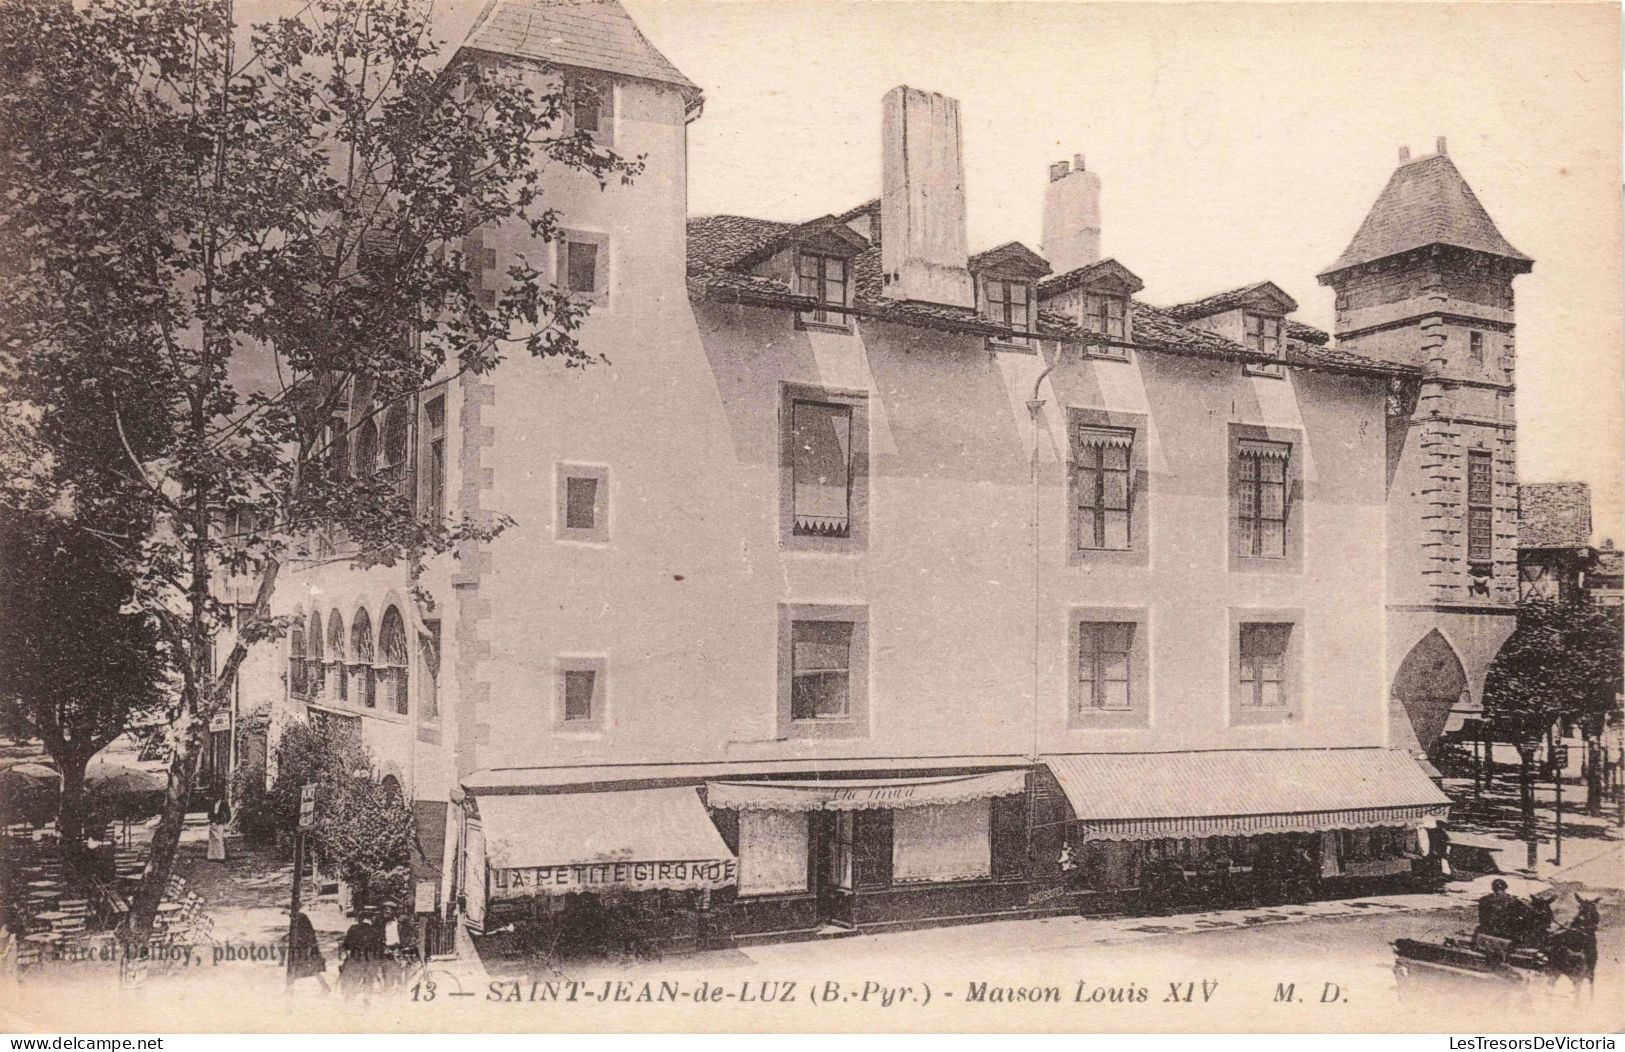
[(1250, 447), (1109, 437), (863, 794), (1245, 792)]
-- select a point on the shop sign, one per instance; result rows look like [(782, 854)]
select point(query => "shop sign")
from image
[(558, 880), (873, 794)]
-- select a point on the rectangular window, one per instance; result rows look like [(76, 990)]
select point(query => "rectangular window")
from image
[(579, 687), (821, 466), (1263, 334), (1480, 506), (1107, 315), (580, 503), (580, 694), (432, 500), (586, 110), (583, 503), (1263, 648), (822, 278), (581, 266), (1475, 347), (1009, 304), (1105, 649), (1103, 484), (821, 670), (1261, 498)]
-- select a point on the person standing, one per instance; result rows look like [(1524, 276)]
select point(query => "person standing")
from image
[(306, 952), (361, 956), (219, 823)]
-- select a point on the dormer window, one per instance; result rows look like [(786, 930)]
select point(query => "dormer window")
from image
[(823, 278), (1263, 335), (1107, 315), (1009, 303)]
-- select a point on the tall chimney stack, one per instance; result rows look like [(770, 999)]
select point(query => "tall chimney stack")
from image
[(1071, 237), (923, 254)]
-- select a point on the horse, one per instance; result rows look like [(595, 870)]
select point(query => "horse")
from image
[(1572, 951)]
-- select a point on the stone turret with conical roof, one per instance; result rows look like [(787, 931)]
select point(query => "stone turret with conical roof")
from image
[(1427, 280)]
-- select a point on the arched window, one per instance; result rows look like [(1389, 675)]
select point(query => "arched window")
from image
[(364, 686), (313, 654), (366, 448), (396, 461), (392, 789), (296, 660), (338, 683), (392, 653)]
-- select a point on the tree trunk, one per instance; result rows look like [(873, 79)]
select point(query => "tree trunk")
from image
[(165, 839), (1593, 775), (70, 813)]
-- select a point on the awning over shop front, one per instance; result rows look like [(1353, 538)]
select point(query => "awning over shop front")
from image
[(641, 840), (861, 794), (1152, 796)]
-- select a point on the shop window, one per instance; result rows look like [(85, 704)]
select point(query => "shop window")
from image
[(823, 278), (583, 502), (952, 842), (823, 671), (772, 849)]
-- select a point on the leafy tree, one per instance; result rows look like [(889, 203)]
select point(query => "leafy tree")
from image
[(237, 247), (74, 667), (363, 826), (1563, 663)]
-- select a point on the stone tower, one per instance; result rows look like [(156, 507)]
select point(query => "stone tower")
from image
[(1427, 281)]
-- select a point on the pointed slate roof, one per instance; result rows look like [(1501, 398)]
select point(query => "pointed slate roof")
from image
[(589, 34), (1426, 202)]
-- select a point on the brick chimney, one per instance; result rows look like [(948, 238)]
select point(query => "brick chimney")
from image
[(923, 255), (1071, 237)]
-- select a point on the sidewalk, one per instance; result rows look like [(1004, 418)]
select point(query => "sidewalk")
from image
[(1593, 847)]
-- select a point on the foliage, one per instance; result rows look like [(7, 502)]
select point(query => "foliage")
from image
[(363, 827), (238, 251), (1562, 662), (74, 666), (253, 808)]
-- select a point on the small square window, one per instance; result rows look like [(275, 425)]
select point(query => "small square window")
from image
[(583, 502)]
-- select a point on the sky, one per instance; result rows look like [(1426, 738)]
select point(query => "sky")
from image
[(1236, 143)]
